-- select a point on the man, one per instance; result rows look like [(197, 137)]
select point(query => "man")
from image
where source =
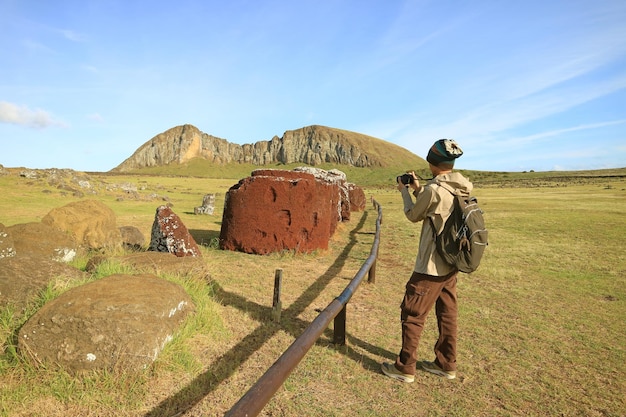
[(433, 281)]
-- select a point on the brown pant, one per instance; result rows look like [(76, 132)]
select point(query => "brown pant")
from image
[(422, 292)]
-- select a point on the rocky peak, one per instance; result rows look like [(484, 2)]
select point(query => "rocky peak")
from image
[(312, 145)]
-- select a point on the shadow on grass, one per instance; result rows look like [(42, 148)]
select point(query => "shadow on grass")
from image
[(205, 237), (224, 366)]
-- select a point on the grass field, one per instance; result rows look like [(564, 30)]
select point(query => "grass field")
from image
[(542, 328)]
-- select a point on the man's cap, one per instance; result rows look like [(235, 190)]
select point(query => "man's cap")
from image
[(444, 152)]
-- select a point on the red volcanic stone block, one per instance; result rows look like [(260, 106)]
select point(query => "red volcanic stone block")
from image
[(357, 197), (169, 234), (275, 210), (336, 203), (281, 173), (337, 178)]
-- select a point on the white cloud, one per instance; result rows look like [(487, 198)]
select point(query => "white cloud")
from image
[(37, 47), (90, 68), (72, 35), (559, 132), (96, 117), (23, 116)]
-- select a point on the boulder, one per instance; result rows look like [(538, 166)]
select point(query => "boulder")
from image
[(116, 323), (40, 239), (90, 223), (169, 234), (357, 197), (157, 263), (276, 210), (132, 238), (23, 277), (7, 247)]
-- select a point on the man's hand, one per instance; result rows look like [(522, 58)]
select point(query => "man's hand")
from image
[(415, 185)]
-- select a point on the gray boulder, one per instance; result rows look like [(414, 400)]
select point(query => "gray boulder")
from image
[(116, 323), (39, 239), (23, 277), (132, 238)]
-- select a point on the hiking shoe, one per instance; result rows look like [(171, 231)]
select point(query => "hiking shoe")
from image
[(433, 368), (390, 370)]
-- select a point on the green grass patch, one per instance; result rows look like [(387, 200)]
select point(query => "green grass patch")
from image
[(541, 321)]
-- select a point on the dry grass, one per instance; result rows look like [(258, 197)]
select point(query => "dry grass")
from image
[(541, 322)]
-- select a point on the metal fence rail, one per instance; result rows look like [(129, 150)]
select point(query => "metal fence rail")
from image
[(262, 391)]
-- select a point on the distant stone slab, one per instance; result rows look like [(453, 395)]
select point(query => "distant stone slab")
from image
[(118, 322), (208, 205)]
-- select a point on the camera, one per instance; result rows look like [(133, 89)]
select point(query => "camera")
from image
[(405, 179)]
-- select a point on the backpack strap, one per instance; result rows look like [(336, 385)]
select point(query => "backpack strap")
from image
[(455, 193), (449, 188)]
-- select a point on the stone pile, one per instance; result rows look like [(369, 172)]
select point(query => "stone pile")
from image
[(117, 322)]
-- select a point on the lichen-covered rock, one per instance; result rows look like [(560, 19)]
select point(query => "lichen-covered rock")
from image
[(169, 234), (118, 322)]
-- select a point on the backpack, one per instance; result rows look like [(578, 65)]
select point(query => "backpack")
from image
[(463, 239)]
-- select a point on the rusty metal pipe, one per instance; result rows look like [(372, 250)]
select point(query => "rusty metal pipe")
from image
[(264, 389)]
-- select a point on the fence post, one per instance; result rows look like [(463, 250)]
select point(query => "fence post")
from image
[(371, 275), (339, 337), (276, 303)]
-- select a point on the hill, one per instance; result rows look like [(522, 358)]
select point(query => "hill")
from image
[(367, 161), (185, 150)]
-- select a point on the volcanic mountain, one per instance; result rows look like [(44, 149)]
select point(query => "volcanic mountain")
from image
[(311, 145)]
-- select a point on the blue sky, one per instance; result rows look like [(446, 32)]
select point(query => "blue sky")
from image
[(521, 85)]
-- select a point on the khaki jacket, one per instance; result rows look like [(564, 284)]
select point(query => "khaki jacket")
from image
[(434, 202)]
